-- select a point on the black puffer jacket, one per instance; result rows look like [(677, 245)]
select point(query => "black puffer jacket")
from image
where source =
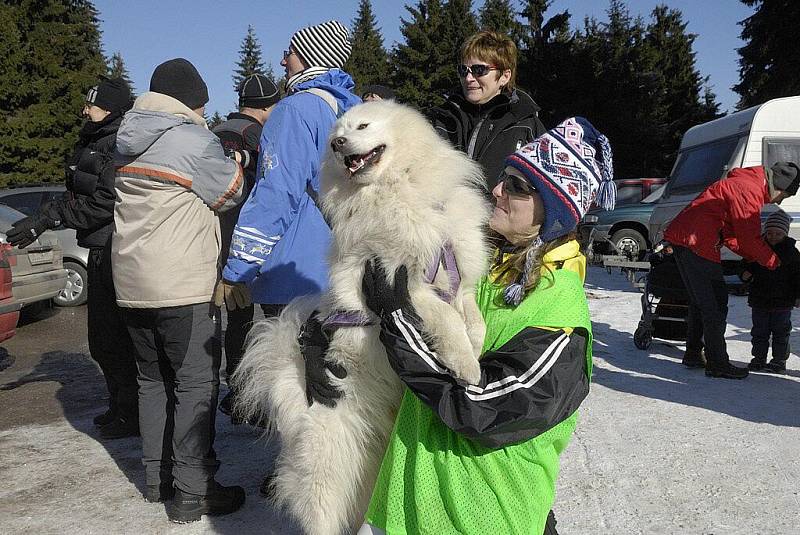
[(489, 132), (777, 288), (90, 207)]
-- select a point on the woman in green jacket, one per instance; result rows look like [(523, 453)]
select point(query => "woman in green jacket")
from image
[(484, 459)]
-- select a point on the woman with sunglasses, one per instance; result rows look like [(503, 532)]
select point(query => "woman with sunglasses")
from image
[(485, 458), (487, 117)]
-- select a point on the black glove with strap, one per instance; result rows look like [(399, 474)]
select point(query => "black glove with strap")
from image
[(25, 231), (314, 345)]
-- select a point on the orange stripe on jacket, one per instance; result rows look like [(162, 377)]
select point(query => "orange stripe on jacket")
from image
[(232, 188), (163, 175)]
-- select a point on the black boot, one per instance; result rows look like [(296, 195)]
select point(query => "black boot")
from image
[(694, 358), (106, 418), (159, 493), (757, 364), (776, 366), (121, 427), (726, 371), (222, 500)]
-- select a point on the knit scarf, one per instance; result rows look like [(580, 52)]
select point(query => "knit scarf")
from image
[(304, 76)]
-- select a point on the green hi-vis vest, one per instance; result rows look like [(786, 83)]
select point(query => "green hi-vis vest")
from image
[(434, 481)]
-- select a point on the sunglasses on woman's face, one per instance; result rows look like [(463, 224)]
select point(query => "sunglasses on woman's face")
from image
[(476, 70), (514, 185)]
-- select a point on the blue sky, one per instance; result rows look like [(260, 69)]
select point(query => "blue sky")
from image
[(209, 33)]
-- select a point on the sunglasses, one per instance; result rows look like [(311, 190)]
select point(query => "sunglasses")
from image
[(514, 185), (287, 53), (476, 70)]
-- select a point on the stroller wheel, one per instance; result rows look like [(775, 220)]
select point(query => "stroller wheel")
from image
[(642, 337)]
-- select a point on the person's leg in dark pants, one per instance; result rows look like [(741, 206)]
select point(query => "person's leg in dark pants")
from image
[(759, 336), (781, 328), (156, 398), (693, 358), (271, 311), (110, 346), (707, 291), (237, 326)]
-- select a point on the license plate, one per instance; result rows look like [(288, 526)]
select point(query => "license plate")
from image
[(45, 257)]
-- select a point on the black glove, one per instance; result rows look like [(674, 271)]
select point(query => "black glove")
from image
[(382, 298), (25, 231), (314, 345)]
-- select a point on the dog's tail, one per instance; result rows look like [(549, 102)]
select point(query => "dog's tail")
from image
[(271, 368)]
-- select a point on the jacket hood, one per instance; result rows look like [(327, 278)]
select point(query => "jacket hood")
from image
[(152, 115), (336, 82)]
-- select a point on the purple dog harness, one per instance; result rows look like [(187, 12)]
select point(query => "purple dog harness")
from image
[(446, 259)]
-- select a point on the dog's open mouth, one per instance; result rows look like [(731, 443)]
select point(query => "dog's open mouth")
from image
[(358, 162)]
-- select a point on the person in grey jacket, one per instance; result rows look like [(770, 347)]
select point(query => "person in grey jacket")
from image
[(172, 178)]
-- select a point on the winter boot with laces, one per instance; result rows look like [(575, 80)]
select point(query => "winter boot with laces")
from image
[(726, 371), (222, 500), (757, 364), (694, 358), (776, 366)]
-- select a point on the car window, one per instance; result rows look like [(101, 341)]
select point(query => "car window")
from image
[(655, 195), (27, 203), (781, 150), (8, 216), (57, 195), (699, 166), (629, 194)]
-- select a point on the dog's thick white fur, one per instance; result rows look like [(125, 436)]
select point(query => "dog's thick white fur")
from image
[(402, 203)]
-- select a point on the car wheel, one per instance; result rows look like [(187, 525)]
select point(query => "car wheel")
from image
[(75, 292), (629, 242)]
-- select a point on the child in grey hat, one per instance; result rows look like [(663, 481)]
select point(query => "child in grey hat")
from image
[(772, 295)]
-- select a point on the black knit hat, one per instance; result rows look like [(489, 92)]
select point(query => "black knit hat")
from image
[(179, 79), (786, 177), (381, 90), (258, 91), (112, 95), (324, 45)]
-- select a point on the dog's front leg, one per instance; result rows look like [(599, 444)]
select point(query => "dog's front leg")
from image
[(446, 328), (476, 328)]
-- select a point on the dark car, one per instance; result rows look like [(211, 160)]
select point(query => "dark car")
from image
[(623, 230)]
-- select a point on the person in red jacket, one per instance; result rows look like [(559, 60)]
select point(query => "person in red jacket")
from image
[(727, 213)]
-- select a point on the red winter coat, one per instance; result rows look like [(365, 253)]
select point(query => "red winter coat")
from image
[(727, 213)]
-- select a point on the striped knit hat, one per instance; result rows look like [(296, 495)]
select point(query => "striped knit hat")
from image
[(324, 45), (779, 220), (570, 166)]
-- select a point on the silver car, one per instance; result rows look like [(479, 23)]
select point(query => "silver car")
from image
[(36, 272), (28, 200)]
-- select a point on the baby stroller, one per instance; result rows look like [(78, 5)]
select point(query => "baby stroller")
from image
[(665, 303)]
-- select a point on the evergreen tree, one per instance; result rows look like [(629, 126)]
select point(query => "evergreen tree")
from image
[(215, 120), (770, 61), (545, 58), (50, 55), (250, 61), (117, 69), (420, 68), (498, 16), (368, 63), (459, 24)]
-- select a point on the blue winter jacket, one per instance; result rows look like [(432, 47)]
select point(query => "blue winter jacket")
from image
[(281, 241)]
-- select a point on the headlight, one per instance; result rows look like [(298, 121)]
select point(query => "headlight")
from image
[(589, 218)]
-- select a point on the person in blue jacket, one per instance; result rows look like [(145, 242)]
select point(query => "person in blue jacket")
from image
[(279, 245)]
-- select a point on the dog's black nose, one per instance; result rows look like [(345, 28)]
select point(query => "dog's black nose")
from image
[(338, 142)]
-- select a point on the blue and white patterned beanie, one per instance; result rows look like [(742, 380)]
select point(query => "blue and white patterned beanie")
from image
[(571, 167)]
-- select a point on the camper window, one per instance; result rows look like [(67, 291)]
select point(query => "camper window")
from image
[(698, 166), (781, 150)]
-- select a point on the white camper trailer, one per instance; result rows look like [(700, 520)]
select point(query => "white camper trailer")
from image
[(761, 135)]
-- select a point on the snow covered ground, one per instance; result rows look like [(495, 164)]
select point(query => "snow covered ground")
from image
[(659, 449)]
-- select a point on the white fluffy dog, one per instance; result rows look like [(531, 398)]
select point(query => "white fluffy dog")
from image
[(391, 189)]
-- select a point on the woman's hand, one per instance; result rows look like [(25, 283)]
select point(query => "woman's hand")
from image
[(314, 345), (381, 297)]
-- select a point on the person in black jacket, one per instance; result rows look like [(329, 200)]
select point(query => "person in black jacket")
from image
[(241, 132), (772, 295), (89, 209), (487, 117)]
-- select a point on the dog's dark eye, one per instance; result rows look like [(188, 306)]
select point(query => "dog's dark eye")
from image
[(362, 126)]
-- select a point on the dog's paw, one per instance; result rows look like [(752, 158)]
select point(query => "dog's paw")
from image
[(467, 370)]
